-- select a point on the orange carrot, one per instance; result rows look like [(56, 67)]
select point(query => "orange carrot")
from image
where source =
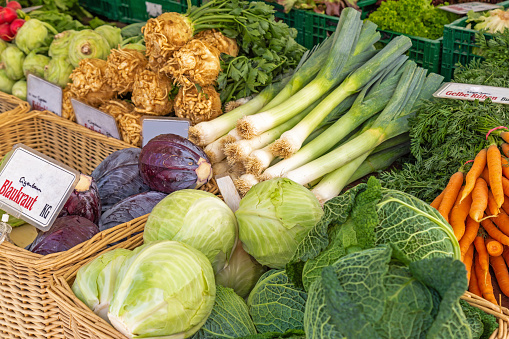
[(505, 185), (506, 254), (493, 247), (505, 147), (438, 200), (494, 163), (492, 204), (502, 221), (479, 199), (501, 273), (484, 280), (459, 214), (450, 194), (505, 205), (473, 284), (505, 167), (469, 257), (474, 173), (486, 175), (482, 254), (471, 229), (494, 232)]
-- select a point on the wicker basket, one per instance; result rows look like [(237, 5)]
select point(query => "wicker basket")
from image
[(11, 104), (26, 311), (82, 323)]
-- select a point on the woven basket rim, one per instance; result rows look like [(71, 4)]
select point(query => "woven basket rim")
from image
[(17, 253), (60, 290), (13, 100)]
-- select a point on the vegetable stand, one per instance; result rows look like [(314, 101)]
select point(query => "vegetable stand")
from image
[(459, 45)]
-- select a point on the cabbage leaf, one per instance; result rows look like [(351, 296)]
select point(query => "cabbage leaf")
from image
[(229, 318), (370, 294), (364, 217), (275, 304)]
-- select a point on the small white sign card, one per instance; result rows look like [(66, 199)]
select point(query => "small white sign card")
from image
[(43, 95), (95, 120), (228, 191), (470, 6), (452, 90), (34, 187), (153, 9), (153, 126)]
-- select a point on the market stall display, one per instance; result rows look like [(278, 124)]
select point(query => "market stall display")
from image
[(302, 244)]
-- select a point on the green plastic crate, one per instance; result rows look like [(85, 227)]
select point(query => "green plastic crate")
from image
[(295, 19), (142, 10), (459, 43), (115, 10), (425, 52)]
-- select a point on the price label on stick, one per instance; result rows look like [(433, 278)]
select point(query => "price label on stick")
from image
[(34, 187), (43, 95), (464, 8), (451, 90), (95, 120), (228, 191), (154, 126)]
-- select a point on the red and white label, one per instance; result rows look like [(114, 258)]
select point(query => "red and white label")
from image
[(452, 90)]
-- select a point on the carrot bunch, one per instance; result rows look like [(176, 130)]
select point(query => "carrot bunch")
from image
[(477, 207)]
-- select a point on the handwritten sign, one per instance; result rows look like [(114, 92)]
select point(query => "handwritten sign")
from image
[(43, 95), (451, 90), (154, 9), (154, 126), (34, 187), (228, 191), (95, 120), (471, 6)]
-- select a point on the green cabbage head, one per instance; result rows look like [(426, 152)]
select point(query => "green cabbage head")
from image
[(34, 34), (165, 288), (95, 282), (197, 218), (274, 216)]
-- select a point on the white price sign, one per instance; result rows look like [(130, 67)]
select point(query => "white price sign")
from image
[(153, 9), (452, 90), (228, 191), (154, 126), (43, 95), (34, 187), (95, 120), (470, 6)]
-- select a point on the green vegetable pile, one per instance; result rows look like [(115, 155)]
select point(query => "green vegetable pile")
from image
[(378, 264), (447, 133), (413, 17)]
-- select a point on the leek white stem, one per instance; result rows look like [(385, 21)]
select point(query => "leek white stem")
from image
[(207, 132), (240, 150), (215, 151), (244, 183), (220, 168), (259, 160), (332, 184)]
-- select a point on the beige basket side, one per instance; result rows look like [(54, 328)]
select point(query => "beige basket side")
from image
[(26, 310), (9, 104), (61, 139)]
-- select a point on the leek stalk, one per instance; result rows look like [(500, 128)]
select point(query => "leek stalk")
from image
[(391, 122)]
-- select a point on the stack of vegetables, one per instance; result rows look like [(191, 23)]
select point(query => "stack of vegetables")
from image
[(344, 102), (496, 20), (329, 7), (481, 200), (126, 185), (38, 48), (447, 133), (186, 58), (375, 263)]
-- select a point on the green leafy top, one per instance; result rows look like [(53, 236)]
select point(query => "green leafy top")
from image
[(275, 304), (366, 216), (412, 17), (481, 323), (229, 317), (367, 294)]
